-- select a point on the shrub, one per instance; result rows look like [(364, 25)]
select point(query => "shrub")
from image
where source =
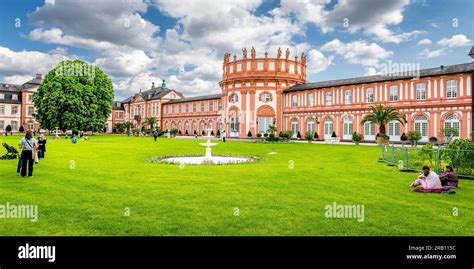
[(298, 135), (179, 132), (433, 139), (333, 134), (309, 135), (356, 137), (173, 131), (316, 136), (21, 129), (203, 133), (249, 134), (212, 132), (8, 128), (414, 136), (186, 133), (265, 134), (195, 133), (458, 155), (259, 135), (403, 137), (218, 132), (285, 134)]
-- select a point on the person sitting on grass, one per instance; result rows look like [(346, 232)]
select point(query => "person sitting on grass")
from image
[(428, 179), (449, 177)]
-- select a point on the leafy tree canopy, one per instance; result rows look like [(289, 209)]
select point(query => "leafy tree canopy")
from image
[(74, 95)]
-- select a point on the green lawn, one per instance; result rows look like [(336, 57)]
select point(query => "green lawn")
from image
[(111, 174)]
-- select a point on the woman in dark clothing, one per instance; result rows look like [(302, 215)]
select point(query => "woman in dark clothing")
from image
[(448, 177), (27, 144), (41, 146)]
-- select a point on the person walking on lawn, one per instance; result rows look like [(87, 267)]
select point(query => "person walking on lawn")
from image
[(27, 144)]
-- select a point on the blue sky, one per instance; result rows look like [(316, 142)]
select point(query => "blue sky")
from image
[(137, 42)]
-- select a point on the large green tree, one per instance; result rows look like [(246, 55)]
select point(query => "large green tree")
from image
[(74, 96)]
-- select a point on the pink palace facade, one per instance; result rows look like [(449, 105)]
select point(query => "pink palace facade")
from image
[(259, 92)]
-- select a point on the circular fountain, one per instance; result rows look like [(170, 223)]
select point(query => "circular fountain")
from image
[(208, 158)]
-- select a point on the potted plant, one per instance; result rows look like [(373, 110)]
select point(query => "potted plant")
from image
[(433, 140), (404, 139), (259, 135), (298, 135), (265, 134), (22, 129), (356, 137), (186, 132), (382, 139), (8, 129), (414, 136), (309, 136), (316, 136), (249, 134), (218, 133), (381, 115)]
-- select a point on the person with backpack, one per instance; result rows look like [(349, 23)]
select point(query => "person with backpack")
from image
[(28, 145), (41, 146), (155, 135)]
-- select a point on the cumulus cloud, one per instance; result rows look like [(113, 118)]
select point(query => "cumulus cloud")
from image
[(427, 54), (358, 52), (455, 41), (373, 17), (318, 62), (425, 41), (15, 64)]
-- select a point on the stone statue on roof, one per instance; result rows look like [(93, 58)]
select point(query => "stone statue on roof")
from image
[(244, 53), (253, 53), (287, 53), (279, 53)]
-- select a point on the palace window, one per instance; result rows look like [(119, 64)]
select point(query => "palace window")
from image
[(239, 67), (2, 110), (202, 107), (211, 106), (393, 93), (14, 110), (14, 125), (233, 98), (292, 69), (283, 66), (265, 97), (30, 97), (311, 99), (420, 91), (310, 125), (2, 96), (369, 128), (451, 122), (220, 105), (259, 65), (348, 97), (180, 108), (194, 108), (187, 108), (31, 110), (421, 125), (294, 100), (328, 98), (271, 66), (231, 68), (451, 89), (370, 95), (249, 66), (14, 96)]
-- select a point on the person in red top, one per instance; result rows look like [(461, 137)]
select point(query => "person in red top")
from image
[(449, 177)]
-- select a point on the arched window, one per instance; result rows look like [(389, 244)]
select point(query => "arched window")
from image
[(294, 127), (451, 127), (310, 125), (233, 98), (202, 126), (421, 125), (194, 126), (211, 125), (369, 131), (179, 126), (348, 127), (328, 128), (186, 126)]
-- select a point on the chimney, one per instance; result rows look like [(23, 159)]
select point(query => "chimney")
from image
[(441, 67), (39, 76)]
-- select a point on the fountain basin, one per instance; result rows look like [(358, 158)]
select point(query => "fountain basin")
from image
[(204, 160)]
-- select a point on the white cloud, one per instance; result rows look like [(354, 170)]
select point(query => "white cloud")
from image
[(427, 54), (425, 41), (317, 62), (358, 52), (124, 64), (455, 41), (22, 63), (373, 17), (17, 79)]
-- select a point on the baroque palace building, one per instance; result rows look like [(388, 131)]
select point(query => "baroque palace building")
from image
[(259, 92)]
